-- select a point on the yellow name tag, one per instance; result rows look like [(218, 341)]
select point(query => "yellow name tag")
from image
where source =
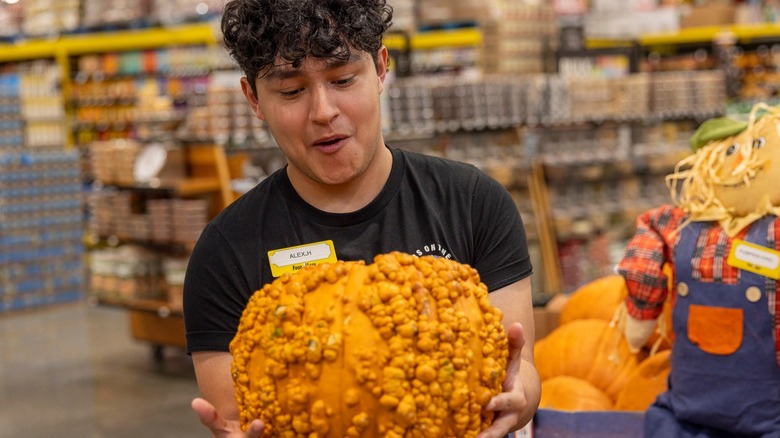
[(288, 260), (755, 258)]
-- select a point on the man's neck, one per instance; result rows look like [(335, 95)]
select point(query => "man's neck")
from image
[(351, 196)]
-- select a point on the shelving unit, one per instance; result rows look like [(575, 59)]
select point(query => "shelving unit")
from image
[(210, 177), (142, 284)]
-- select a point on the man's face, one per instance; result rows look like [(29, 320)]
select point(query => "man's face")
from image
[(325, 117), (739, 191)]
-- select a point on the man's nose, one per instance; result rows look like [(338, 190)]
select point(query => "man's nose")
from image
[(323, 105)]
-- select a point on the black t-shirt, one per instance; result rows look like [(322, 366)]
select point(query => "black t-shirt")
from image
[(429, 206)]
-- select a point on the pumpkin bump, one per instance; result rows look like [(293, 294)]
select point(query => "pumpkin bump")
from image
[(404, 347)]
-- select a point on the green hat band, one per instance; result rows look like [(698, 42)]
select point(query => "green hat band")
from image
[(715, 129)]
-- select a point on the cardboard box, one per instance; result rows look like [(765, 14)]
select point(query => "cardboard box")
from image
[(545, 321), (708, 14)]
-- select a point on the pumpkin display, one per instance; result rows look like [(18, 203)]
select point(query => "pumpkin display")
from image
[(404, 347), (589, 349), (567, 393), (597, 299), (645, 383), (603, 298)]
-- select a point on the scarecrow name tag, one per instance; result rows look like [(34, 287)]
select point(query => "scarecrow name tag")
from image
[(755, 258), (289, 260)]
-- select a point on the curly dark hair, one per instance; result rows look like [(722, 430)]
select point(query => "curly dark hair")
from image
[(257, 32)]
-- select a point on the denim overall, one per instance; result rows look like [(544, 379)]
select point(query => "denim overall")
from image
[(734, 393)]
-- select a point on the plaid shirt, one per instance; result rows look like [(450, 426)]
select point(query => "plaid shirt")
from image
[(653, 245)]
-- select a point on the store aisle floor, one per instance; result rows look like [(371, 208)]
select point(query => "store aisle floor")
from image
[(74, 371)]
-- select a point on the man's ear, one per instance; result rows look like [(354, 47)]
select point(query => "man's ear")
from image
[(246, 88), (381, 67)]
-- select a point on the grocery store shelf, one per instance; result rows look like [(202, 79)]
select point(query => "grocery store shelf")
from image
[(184, 187), (97, 42), (744, 33), (463, 37), (739, 33), (197, 33), (157, 307)]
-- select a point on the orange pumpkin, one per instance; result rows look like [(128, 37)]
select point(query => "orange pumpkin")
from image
[(405, 346), (568, 393), (589, 349), (597, 299), (646, 383)]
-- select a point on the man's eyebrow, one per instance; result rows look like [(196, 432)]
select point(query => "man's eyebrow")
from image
[(280, 73)]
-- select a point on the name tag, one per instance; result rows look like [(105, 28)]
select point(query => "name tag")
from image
[(288, 260), (755, 258)]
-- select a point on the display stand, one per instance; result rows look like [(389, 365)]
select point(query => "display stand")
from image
[(208, 174)]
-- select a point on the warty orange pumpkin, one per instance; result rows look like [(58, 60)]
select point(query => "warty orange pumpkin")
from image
[(403, 347)]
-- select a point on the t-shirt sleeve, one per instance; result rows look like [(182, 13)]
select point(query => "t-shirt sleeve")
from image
[(213, 292), (501, 246)]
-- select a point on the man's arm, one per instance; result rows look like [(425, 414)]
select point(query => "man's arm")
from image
[(522, 389), (218, 409)]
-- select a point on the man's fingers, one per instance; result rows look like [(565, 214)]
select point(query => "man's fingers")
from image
[(516, 343), (506, 402), (497, 429), (516, 339), (208, 415), (255, 429)]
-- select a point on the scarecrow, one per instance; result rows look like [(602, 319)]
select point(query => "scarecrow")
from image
[(720, 241)]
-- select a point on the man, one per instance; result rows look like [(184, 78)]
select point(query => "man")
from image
[(314, 73)]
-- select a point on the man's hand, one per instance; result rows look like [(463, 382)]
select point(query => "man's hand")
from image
[(510, 404), (222, 428)]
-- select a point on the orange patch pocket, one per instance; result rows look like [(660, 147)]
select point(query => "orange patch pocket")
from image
[(716, 330)]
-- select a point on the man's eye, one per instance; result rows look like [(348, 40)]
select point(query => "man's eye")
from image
[(346, 81), (759, 142), (290, 93), (733, 148)]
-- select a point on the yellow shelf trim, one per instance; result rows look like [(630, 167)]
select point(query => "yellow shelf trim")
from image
[(98, 42), (447, 38), (199, 33), (743, 33)]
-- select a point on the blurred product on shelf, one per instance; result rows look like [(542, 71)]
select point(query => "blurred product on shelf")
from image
[(404, 17), (129, 162), (517, 39), (226, 119), (50, 17), (171, 12), (99, 14), (10, 20), (422, 106), (132, 273), (41, 229)]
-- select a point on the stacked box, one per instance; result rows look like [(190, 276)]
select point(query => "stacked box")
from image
[(113, 161), (10, 20), (227, 119), (170, 12), (126, 273), (107, 14), (687, 92), (188, 219), (129, 216), (446, 12), (50, 17), (518, 40), (11, 120), (174, 269), (41, 229), (403, 16)]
